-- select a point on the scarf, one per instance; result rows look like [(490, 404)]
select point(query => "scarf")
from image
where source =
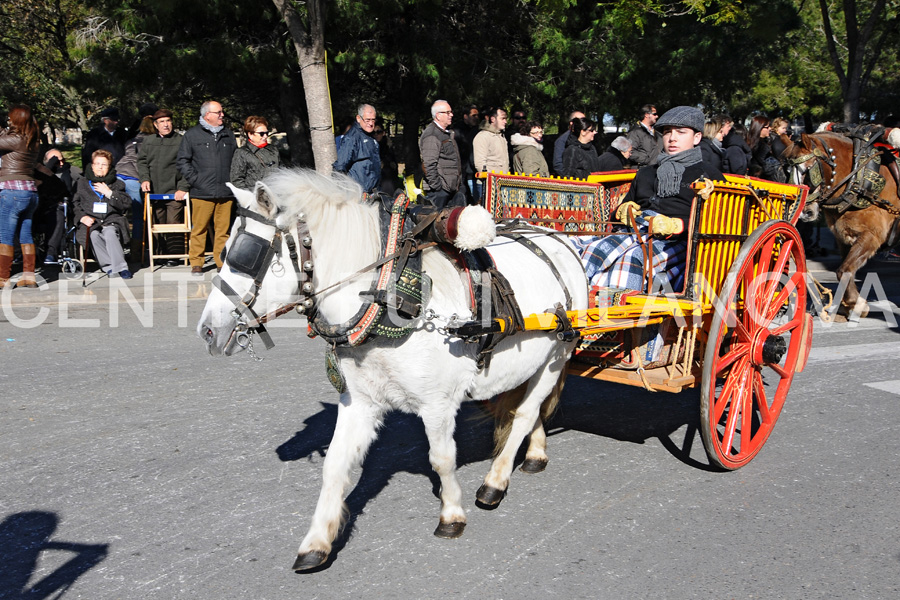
[(263, 145), (108, 179), (210, 128), (671, 168)]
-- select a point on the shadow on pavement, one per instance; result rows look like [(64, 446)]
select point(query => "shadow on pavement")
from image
[(23, 537)]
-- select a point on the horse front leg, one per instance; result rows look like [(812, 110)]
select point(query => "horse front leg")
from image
[(442, 455), (354, 432)]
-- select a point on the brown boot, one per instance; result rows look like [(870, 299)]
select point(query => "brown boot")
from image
[(27, 279), (6, 259)]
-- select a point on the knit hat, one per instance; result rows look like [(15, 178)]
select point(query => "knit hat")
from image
[(110, 113), (147, 109), (682, 116)]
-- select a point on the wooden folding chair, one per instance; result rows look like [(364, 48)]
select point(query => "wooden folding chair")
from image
[(164, 228)]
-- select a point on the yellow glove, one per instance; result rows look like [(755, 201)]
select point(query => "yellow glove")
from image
[(663, 225), (622, 211)]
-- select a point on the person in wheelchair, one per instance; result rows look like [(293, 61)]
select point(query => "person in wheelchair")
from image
[(660, 199), (100, 205)]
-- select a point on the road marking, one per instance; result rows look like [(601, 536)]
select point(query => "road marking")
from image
[(892, 387), (859, 352)]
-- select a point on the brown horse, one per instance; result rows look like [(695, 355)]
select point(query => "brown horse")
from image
[(823, 161)]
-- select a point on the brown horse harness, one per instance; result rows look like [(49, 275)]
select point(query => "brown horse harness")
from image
[(826, 154)]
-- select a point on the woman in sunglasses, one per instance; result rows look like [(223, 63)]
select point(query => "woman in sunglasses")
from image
[(255, 159)]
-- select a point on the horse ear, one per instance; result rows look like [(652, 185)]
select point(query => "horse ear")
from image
[(244, 197), (264, 199)]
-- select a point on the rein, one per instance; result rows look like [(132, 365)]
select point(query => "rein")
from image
[(253, 256)]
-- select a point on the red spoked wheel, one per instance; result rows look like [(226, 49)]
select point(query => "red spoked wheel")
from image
[(759, 337)]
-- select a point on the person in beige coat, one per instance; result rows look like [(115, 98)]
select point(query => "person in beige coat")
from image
[(489, 148), (528, 157)]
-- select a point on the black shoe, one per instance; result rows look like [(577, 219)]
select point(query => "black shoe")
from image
[(125, 274), (174, 263)]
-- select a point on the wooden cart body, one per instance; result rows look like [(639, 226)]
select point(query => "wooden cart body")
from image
[(738, 327)]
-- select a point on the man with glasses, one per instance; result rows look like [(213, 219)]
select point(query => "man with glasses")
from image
[(358, 155), (204, 159), (645, 142), (442, 170)]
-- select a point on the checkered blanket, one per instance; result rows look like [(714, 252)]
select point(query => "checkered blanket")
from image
[(618, 261)]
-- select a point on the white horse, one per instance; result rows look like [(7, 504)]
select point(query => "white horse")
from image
[(428, 373)]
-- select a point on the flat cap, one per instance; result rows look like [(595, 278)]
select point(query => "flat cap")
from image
[(163, 112), (110, 113), (682, 116)]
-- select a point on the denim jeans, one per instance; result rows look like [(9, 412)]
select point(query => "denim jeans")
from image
[(16, 209), (133, 189)]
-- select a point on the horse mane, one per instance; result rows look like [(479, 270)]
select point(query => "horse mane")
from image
[(346, 231)]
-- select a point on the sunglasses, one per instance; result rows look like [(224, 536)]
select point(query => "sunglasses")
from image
[(261, 133), (379, 131)]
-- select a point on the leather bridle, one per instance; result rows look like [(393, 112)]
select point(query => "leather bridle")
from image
[(824, 155), (252, 255)]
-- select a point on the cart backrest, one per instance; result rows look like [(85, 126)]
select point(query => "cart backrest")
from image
[(723, 220), (558, 203)]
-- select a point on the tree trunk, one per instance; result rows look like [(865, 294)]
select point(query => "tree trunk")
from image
[(310, 46), (295, 119)]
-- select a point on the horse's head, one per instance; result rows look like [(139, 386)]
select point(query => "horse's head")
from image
[(261, 272), (805, 170)]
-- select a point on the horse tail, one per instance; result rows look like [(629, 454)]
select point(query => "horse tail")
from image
[(504, 408)]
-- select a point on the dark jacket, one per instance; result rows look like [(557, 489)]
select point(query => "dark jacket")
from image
[(643, 190), (645, 145), (99, 138), (737, 154), (440, 159), (579, 160), (712, 153), (127, 165), (251, 163), (758, 156), (359, 158), (156, 164), (117, 205), (611, 160), (559, 148), (18, 162), (204, 158)]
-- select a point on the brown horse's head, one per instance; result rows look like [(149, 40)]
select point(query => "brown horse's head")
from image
[(814, 163)]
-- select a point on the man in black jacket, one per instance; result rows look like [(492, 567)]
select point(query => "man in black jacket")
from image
[(204, 158), (106, 136)]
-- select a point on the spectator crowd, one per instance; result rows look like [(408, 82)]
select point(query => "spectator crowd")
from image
[(102, 202)]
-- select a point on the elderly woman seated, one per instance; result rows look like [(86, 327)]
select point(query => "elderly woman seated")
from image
[(100, 204), (660, 198)]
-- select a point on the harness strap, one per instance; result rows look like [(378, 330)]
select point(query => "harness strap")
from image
[(505, 308), (539, 252), (242, 308)]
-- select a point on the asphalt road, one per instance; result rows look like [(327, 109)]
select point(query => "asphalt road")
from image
[(133, 465)]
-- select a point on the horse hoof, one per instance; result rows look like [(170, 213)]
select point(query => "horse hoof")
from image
[(448, 531), (488, 497), (309, 560), (534, 465)]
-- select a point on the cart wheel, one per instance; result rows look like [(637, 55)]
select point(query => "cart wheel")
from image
[(71, 269), (758, 339)]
